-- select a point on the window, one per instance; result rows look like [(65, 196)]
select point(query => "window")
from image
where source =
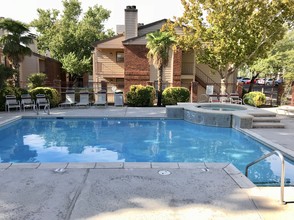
[(120, 57)]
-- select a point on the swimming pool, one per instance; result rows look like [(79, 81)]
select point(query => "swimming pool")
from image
[(134, 140)]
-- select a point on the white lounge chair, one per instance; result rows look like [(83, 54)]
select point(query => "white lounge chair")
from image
[(42, 101), (224, 98), (27, 102), (235, 99), (213, 98), (69, 99), (84, 99), (11, 102), (100, 99)]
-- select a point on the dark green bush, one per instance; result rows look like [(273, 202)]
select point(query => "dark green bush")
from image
[(141, 96), (254, 98), (173, 95), (51, 93), (10, 90)]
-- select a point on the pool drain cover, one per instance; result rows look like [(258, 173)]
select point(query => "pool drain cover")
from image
[(164, 172)]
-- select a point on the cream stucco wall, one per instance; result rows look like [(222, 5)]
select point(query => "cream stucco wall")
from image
[(105, 65), (29, 65)]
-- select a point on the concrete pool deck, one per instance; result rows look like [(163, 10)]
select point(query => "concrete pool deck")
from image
[(137, 190)]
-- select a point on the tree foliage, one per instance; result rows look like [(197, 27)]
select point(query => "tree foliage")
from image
[(5, 73), (280, 58), (15, 42), (68, 35), (227, 34), (159, 44), (36, 80)]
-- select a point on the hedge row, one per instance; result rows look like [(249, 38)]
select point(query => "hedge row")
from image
[(141, 96)]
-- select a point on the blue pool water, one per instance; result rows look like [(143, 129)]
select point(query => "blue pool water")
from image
[(132, 140)]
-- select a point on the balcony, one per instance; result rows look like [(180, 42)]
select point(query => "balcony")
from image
[(110, 70)]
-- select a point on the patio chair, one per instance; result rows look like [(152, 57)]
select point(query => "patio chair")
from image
[(42, 101), (224, 98), (235, 99), (84, 99), (69, 99), (213, 98), (11, 102), (27, 102), (100, 98)]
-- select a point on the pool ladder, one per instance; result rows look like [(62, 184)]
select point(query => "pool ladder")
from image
[(282, 170), (46, 109)]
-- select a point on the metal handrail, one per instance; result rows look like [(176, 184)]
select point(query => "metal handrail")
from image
[(208, 80), (282, 170), (46, 109)]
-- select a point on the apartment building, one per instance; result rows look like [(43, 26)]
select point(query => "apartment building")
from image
[(122, 61), (37, 63)]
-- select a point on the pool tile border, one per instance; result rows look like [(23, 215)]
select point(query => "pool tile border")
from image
[(228, 168), (53, 165), (109, 165), (25, 165), (238, 176)]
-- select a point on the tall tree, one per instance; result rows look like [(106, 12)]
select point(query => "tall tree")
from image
[(159, 44), (280, 58), (227, 34), (15, 42), (5, 73), (68, 35)]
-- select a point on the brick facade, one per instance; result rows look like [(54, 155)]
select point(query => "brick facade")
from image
[(177, 68), (54, 71), (137, 67)]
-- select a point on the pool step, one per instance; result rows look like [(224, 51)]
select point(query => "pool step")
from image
[(266, 120), (263, 114), (267, 125)]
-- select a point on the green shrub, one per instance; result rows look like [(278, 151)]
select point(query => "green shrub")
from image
[(10, 90), (173, 95), (141, 96), (36, 80), (254, 98), (51, 93)]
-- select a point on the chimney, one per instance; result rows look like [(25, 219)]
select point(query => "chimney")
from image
[(131, 22)]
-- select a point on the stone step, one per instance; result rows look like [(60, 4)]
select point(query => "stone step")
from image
[(266, 119), (263, 114), (267, 125)]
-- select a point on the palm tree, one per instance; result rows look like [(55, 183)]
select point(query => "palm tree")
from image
[(159, 44), (14, 42), (5, 73)]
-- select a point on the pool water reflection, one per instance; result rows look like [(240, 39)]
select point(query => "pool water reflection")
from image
[(133, 140)]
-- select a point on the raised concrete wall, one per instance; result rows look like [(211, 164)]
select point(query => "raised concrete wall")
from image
[(190, 112)]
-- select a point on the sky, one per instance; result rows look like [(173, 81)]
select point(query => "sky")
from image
[(148, 10)]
